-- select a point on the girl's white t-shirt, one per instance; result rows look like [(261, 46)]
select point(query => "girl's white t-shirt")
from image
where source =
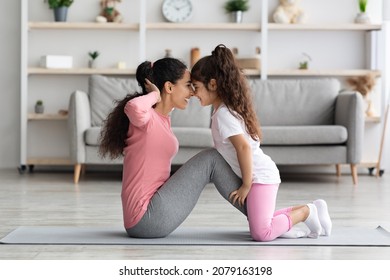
[(224, 125)]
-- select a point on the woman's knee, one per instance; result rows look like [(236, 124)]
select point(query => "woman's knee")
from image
[(148, 234)]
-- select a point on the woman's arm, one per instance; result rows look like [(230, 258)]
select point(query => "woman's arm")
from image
[(138, 109), (244, 156)]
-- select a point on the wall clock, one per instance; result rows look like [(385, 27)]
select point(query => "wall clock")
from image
[(177, 10)]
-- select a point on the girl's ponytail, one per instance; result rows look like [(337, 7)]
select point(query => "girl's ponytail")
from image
[(232, 85)]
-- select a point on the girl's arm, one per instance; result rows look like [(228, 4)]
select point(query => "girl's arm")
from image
[(244, 156), (138, 109)]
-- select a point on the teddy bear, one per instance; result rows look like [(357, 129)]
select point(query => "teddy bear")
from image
[(364, 84), (108, 11), (288, 11)]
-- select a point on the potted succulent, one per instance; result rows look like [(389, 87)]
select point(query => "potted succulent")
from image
[(236, 8), (92, 55), (39, 107), (304, 64), (362, 16), (60, 8)]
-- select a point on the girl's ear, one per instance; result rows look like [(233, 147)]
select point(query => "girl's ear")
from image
[(213, 85)]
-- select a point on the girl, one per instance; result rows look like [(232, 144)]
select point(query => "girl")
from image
[(155, 204), (219, 82)]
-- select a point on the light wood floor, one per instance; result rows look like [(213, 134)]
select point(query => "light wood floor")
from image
[(50, 198)]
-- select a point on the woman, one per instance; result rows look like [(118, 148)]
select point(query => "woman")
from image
[(155, 204)]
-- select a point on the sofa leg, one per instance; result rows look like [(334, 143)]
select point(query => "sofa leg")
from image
[(338, 170), (354, 174), (77, 171)]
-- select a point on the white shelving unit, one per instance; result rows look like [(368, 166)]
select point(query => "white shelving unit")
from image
[(260, 29)]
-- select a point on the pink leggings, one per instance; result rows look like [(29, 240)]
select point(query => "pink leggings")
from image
[(266, 224)]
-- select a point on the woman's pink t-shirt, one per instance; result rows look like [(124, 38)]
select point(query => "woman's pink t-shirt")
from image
[(150, 148)]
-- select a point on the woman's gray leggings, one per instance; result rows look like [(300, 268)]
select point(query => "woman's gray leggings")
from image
[(175, 200)]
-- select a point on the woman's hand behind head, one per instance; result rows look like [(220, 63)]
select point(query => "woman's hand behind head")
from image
[(149, 86)]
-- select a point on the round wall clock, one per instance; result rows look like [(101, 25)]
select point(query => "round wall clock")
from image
[(177, 10)]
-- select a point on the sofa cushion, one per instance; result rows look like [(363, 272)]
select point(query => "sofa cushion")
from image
[(92, 136), (304, 135), (104, 91), (295, 102), (196, 137), (194, 115)]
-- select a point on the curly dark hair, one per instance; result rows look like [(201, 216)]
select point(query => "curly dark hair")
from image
[(115, 127), (232, 86)]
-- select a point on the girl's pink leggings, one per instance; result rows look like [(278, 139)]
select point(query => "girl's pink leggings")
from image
[(265, 223)]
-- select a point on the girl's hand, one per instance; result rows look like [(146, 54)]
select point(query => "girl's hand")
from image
[(239, 195), (149, 86)]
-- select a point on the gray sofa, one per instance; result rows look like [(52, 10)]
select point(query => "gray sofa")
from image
[(304, 122)]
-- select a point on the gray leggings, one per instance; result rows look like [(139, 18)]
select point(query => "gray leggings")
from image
[(175, 200)]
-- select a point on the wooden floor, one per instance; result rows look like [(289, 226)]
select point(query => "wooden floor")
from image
[(50, 198)]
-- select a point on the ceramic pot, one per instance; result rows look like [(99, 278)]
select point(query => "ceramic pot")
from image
[(237, 16), (91, 63), (39, 109), (362, 18), (60, 13)]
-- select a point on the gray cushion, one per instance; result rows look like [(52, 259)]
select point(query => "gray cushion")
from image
[(295, 102), (304, 135), (197, 137), (104, 91), (194, 115), (92, 136)]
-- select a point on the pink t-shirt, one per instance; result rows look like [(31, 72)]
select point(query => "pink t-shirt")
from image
[(150, 148)]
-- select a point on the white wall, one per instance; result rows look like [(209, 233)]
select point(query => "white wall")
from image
[(284, 50), (9, 84)]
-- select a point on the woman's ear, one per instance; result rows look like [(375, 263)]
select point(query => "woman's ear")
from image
[(168, 87), (212, 84)]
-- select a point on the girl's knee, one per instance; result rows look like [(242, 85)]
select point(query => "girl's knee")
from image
[(262, 235)]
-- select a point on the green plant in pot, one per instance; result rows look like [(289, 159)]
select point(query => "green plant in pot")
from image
[(39, 107), (92, 57), (362, 16), (60, 8), (236, 8)]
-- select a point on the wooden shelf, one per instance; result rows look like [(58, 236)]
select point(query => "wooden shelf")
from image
[(50, 117), (326, 27), (83, 25), (375, 119), (81, 71), (48, 161), (204, 26), (324, 73)]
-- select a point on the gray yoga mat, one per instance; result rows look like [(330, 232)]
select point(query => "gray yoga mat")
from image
[(346, 236)]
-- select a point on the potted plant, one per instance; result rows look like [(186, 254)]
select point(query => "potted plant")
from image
[(236, 8), (39, 107), (60, 8), (304, 65), (92, 55), (362, 16)]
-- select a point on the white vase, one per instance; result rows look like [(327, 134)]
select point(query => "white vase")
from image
[(91, 63), (362, 18)]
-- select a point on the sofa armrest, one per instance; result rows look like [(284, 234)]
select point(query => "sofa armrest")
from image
[(349, 113), (79, 121)]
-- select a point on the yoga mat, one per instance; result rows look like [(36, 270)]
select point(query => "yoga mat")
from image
[(346, 236)]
